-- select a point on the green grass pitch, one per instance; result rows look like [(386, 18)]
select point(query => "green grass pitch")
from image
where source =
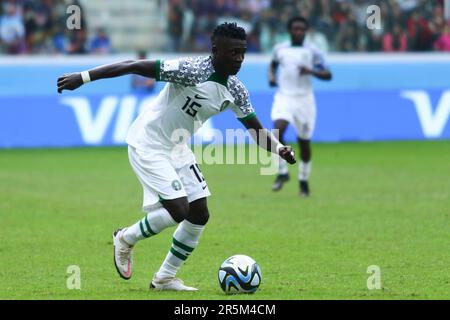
[(384, 204)]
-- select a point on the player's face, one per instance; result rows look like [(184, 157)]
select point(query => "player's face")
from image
[(229, 55), (298, 31)]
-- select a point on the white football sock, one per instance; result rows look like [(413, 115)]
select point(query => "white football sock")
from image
[(282, 167), (185, 239), (154, 222), (304, 170)]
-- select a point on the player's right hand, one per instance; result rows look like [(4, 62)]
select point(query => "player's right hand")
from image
[(287, 154), (69, 81)]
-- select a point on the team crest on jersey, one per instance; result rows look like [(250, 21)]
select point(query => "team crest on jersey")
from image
[(176, 185), (171, 65), (224, 105)]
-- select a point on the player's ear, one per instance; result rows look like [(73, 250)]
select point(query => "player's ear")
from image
[(214, 49)]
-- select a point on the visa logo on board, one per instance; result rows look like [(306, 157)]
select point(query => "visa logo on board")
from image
[(93, 127), (432, 123)]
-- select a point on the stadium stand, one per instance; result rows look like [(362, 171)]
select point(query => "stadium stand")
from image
[(114, 26)]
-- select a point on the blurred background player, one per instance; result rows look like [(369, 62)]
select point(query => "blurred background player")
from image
[(294, 101)]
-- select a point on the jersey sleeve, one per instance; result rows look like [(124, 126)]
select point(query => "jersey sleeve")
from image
[(184, 71), (241, 106)]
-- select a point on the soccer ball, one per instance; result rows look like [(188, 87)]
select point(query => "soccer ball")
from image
[(239, 274)]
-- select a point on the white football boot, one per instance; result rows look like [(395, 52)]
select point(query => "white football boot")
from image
[(123, 255), (169, 284)]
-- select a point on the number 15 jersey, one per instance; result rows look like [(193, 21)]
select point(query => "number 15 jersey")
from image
[(193, 94)]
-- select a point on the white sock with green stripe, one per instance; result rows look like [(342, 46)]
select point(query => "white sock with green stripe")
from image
[(283, 167), (185, 239), (154, 222)]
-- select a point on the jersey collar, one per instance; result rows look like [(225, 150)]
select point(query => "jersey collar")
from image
[(218, 78)]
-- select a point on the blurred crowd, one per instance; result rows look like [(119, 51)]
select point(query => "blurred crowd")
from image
[(336, 25), (40, 26)]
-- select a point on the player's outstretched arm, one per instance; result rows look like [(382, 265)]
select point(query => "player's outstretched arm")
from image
[(268, 141), (72, 81)]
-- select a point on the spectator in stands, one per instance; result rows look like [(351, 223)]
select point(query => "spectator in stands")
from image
[(324, 24), (201, 32), (395, 40), (77, 42), (341, 12), (408, 6), (175, 11), (437, 22), (318, 39), (253, 44), (12, 29), (60, 33), (100, 44), (443, 42), (347, 39), (359, 10), (38, 26), (223, 7), (373, 41), (42, 23), (77, 38), (419, 32), (394, 14)]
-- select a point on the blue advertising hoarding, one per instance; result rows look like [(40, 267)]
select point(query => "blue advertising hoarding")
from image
[(369, 99)]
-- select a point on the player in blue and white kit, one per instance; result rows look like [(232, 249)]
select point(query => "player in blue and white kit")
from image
[(175, 191), (294, 101)]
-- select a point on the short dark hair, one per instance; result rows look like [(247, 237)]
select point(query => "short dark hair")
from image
[(228, 30), (297, 19)]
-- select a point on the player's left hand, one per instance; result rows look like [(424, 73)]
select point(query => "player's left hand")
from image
[(287, 154), (69, 81)]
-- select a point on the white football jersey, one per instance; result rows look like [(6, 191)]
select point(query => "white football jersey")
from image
[(290, 58), (193, 94)]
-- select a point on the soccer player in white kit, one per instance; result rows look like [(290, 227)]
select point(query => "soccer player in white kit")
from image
[(174, 188), (294, 101)]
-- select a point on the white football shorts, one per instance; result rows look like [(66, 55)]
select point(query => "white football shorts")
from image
[(298, 110), (163, 178)]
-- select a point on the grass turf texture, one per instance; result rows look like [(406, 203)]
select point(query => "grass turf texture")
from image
[(385, 204)]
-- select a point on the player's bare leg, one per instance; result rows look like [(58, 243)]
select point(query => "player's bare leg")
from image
[(283, 174), (185, 239), (304, 166)]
